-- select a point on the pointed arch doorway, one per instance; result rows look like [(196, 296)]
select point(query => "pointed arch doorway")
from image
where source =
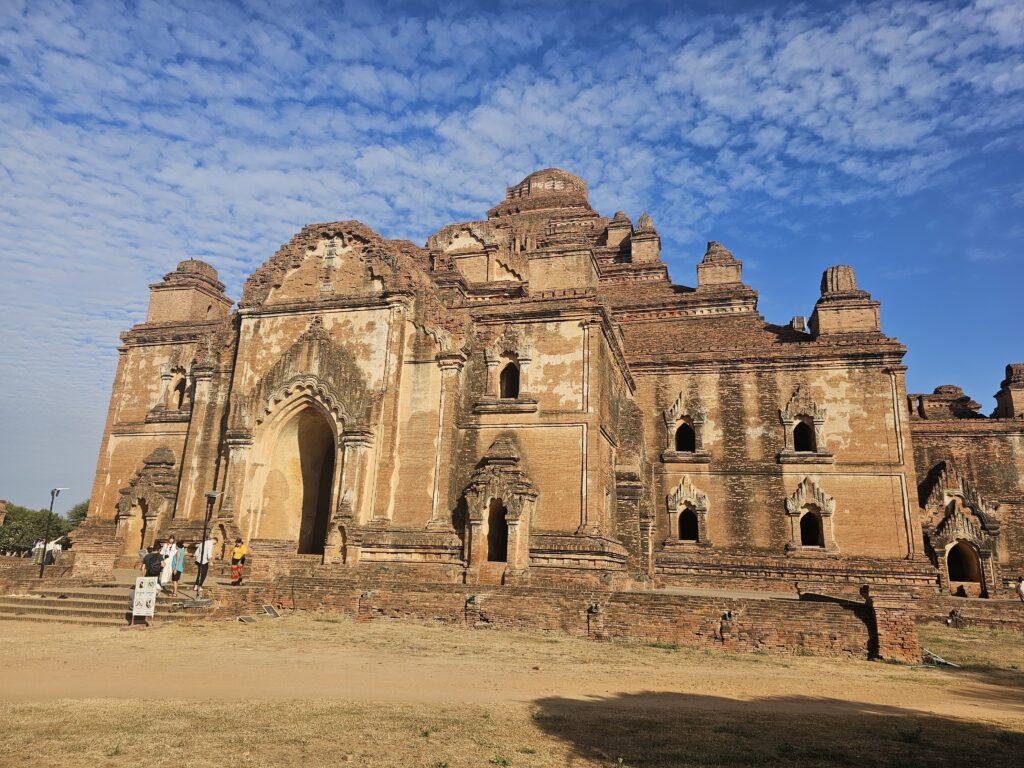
[(299, 485)]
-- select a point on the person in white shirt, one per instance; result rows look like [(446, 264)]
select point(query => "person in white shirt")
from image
[(204, 554), (167, 551)]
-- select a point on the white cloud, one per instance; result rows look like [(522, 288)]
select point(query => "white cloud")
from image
[(139, 135)]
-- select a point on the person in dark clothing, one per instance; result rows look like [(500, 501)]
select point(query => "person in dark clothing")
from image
[(152, 562)]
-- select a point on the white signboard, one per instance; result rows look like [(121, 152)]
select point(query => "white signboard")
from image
[(144, 597)]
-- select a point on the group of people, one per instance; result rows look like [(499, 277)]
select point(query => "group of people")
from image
[(167, 563), (47, 552)]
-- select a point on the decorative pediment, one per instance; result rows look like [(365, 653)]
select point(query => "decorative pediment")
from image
[(687, 492), (801, 404), (314, 366), (685, 407), (156, 484), (957, 525), (951, 495), (513, 341), (806, 493), (465, 238), (500, 475)]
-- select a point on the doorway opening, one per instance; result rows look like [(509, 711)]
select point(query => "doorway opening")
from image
[(962, 564), (497, 532)]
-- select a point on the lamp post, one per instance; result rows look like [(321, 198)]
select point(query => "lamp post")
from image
[(54, 493), (211, 498)]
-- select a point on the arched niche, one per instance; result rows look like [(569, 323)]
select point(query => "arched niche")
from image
[(811, 512), (684, 425), (963, 570), (687, 509)]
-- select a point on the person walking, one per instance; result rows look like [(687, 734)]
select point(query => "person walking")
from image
[(238, 554), (1020, 588), (204, 553), (167, 551), (177, 566)]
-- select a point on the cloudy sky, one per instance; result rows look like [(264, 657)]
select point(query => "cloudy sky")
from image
[(884, 135)]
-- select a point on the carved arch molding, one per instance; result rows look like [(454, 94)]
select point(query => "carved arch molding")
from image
[(687, 496), (685, 410), (809, 498), (500, 475), (156, 486), (317, 367), (802, 406), (955, 513)]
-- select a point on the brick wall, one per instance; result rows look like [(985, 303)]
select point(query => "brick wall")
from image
[(19, 573), (779, 626)]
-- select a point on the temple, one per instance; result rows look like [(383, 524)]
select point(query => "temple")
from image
[(529, 400)]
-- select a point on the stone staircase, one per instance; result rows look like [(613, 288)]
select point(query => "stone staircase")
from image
[(100, 605)]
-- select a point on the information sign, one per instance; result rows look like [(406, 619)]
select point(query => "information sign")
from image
[(144, 596)]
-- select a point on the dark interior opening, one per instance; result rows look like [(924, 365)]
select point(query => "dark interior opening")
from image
[(316, 451), (962, 563), (686, 439), (497, 532), (803, 437), (688, 529), (509, 381), (179, 395), (811, 534)]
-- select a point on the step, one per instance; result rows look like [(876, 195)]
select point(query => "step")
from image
[(71, 602), (78, 620), (31, 606), (56, 609), (120, 595), (118, 599)]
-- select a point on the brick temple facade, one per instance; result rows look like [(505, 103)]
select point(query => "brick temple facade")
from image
[(528, 400)]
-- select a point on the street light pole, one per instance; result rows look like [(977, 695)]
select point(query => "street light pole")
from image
[(211, 497), (49, 520)]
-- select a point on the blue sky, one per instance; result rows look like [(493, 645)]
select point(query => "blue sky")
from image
[(883, 135)]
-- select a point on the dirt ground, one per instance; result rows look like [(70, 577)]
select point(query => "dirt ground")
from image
[(305, 690)]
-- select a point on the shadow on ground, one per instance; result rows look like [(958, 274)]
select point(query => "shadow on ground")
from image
[(675, 729)]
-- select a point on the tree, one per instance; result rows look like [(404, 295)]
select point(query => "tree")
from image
[(23, 527), (76, 515)]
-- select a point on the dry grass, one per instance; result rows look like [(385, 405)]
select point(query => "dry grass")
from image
[(463, 698)]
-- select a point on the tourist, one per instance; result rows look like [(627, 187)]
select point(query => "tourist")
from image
[(167, 551), (1020, 588), (204, 553), (177, 566), (237, 562), (152, 563)]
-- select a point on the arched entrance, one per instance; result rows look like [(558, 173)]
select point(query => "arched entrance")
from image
[(497, 532), (963, 567), (297, 492), (135, 530)]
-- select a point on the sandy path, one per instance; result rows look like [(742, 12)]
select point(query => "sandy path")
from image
[(298, 658)]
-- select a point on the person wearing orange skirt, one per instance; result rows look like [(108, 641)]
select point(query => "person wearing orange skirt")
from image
[(238, 553)]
